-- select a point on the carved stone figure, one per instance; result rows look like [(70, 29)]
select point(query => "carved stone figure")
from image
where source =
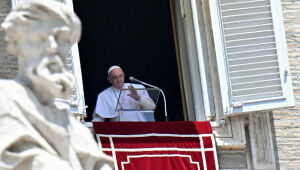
[(37, 132)]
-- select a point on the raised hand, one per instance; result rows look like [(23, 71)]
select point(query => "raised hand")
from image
[(133, 93)]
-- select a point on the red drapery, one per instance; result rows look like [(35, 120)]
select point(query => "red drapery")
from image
[(158, 145)]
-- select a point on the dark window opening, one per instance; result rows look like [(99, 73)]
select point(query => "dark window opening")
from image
[(136, 35)]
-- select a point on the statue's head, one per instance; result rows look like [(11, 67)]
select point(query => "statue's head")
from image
[(41, 34)]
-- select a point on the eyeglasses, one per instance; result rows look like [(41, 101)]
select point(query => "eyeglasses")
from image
[(117, 77)]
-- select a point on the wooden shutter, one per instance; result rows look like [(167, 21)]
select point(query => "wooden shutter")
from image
[(251, 55)]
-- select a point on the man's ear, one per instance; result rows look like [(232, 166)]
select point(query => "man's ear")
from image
[(109, 79)]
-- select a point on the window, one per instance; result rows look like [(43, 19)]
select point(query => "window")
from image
[(251, 55)]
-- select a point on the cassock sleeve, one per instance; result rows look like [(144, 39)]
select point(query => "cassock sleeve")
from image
[(105, 106), (145, 101)]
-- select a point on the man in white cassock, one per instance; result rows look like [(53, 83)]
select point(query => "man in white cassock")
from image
[(134, 99)]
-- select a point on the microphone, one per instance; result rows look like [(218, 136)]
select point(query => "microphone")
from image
[(136, 80), (163, 94)]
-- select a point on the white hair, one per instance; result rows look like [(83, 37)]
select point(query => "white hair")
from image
[(112, 68), (30, 11)]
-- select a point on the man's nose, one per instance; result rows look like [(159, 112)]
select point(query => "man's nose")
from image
[(52, 45)]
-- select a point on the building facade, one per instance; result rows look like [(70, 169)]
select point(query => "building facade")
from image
[(264, 137)]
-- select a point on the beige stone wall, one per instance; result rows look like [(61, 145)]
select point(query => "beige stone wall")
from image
[(8, 63), (287, 121)]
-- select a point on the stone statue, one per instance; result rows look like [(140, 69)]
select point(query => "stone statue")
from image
[(37, 132)]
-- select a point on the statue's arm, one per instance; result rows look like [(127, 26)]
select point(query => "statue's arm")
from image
[(20, 148), (91, 157)]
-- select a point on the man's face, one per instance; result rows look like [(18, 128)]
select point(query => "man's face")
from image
[(116, 78), (38, 39), (43, 48), (50, 79)]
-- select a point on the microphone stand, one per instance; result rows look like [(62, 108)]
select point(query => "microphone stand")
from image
[(163, 94)]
